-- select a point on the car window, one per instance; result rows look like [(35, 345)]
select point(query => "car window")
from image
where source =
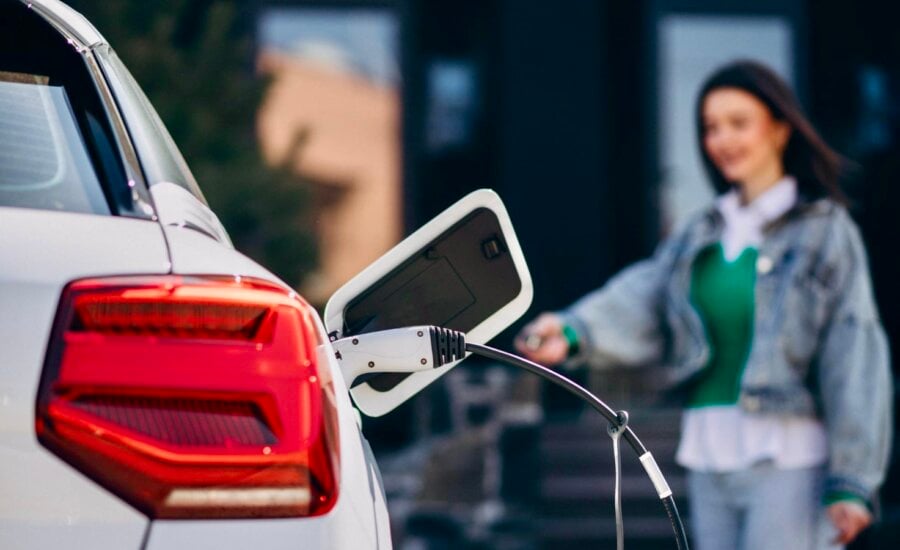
[(44, 161), (160, 157)]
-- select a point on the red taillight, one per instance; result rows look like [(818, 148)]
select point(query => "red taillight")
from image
[(192, 397)]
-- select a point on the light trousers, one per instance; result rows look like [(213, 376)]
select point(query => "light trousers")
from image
[(760, 508)]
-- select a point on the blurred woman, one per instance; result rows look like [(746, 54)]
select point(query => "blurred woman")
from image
[(761, 308)]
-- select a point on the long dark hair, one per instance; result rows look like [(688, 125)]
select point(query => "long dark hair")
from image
[(807, 157)]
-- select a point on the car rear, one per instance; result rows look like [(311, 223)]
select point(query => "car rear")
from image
[(157, 388), (153, 410)]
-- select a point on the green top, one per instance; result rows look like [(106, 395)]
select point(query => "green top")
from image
[(722, 293)]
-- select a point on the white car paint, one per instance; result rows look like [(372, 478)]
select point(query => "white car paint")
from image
[(176, 206), (45, 502)]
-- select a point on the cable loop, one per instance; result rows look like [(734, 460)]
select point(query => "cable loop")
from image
[(617, 428)]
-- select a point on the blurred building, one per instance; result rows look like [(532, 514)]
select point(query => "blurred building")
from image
[(579, 113), (332, 113)]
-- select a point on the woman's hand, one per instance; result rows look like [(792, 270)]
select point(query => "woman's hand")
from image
[(849, 518), (543, 341)]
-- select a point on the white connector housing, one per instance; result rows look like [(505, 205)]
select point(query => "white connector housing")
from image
[(400, 350)]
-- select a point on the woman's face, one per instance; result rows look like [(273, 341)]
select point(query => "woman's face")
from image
[(742, 138)]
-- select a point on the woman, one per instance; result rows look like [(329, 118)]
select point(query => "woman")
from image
[(762, 310)]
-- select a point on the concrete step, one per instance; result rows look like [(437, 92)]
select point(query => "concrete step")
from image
[(590, 489), (579, 457), (586, 533), (657, 426), (577, 483)]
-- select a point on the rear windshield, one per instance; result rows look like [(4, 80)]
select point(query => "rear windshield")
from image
[(44, 162)]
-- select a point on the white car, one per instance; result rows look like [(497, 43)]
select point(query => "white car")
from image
[(159, 390)]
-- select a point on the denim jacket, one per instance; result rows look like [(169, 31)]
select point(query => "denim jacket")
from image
[(818, 345)]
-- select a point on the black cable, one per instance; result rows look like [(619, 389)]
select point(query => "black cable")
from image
[(675, 520), (600, 406)]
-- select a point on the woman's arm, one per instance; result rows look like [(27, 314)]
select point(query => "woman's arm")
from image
[(618, 324), (854, 375)]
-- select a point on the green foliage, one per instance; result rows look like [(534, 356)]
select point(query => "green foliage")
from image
[(194, 60)]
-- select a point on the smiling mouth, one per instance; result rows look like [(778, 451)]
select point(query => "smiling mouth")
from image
[(731, 160)]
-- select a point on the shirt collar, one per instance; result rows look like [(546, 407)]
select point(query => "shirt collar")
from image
[(767, 207)]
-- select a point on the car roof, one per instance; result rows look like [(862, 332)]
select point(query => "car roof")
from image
[(67, 21)]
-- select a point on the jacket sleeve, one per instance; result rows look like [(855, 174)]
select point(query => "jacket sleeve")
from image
[(854, 375), (621, 324)]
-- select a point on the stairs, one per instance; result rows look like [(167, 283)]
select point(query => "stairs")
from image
[(577, 479)]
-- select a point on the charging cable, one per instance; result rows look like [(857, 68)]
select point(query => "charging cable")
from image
[(414, 349), (645, 457)]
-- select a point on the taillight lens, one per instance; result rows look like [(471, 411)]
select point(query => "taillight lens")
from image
[(192, 397)]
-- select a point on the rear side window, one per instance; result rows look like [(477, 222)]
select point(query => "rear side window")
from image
[(44, 162)]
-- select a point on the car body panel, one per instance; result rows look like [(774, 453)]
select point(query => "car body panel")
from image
[(194, 252), (53, 504), (178, 207)]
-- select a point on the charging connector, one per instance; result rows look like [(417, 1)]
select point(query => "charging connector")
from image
[(401, 350)]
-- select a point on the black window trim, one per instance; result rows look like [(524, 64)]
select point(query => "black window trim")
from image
[(142, 202)]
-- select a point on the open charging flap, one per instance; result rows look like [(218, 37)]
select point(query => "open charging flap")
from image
[(462, 270)]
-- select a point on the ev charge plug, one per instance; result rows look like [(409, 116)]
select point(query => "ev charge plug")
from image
[(400, 350)]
